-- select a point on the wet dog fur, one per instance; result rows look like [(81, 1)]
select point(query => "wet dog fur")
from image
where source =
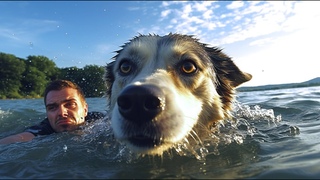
[(163, 90)]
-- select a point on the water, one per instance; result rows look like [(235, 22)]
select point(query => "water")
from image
[(274, 134)]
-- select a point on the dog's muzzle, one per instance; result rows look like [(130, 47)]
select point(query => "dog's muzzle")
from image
[(141, 103)]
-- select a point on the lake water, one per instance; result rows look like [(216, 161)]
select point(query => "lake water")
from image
[(274, 134)]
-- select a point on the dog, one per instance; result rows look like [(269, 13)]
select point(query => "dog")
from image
[(162, 90)]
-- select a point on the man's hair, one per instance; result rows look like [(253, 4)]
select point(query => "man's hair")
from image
[(58, 85)]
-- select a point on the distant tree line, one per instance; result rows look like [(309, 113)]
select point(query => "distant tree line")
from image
[(27, 78)]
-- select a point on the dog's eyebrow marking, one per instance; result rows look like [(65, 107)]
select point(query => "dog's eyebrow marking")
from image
[(196, 55), (141, 49)]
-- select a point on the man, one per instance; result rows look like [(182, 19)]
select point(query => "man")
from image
[(66, 110)]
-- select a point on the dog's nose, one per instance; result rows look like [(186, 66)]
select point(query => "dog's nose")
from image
[(141, 103)]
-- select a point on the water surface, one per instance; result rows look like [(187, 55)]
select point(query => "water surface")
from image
[(275, 134)]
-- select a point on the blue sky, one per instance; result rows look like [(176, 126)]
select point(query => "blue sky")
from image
[(275, 41)]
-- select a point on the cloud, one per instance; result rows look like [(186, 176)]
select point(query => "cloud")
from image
[(275, 41), (7, 33), (305, 15), (187, 18), (235, 5), (134, 8), (165, 13), (236, 21), (26, 30), (261, 41), (292, 57), (103, 48), (256, 20)]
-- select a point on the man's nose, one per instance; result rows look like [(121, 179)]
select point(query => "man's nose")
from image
[(62, 110)]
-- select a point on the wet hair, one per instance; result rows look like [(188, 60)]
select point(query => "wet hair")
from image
[(58, 85)]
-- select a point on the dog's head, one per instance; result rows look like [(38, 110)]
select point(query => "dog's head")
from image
[(162, 89)]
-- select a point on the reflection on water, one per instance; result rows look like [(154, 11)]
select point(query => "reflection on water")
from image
[(273, 134)]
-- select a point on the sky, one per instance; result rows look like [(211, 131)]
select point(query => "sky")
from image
[(275, 41)]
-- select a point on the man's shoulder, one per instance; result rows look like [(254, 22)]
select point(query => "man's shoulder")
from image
[(43, 128)]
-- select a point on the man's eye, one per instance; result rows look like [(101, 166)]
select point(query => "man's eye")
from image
[(71, 105), (51, 108)]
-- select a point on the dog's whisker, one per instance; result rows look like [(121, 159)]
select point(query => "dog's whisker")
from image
[(195, 137), (186, 140)]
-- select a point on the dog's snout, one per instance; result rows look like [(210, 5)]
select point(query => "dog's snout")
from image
[(141, 103)]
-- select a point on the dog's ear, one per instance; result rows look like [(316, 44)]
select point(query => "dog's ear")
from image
[(232, 73), (228, 76), (226, 70), (109, 78)]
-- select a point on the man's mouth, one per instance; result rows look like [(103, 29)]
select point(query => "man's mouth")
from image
[(64, 122)]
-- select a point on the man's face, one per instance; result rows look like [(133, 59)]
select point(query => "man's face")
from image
[(65, 109)]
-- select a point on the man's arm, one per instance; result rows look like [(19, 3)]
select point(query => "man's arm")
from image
[(21, 137)]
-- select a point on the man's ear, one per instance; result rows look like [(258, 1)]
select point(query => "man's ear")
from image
[(86, 109)]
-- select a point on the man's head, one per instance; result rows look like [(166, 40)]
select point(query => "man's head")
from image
[(65, 105)]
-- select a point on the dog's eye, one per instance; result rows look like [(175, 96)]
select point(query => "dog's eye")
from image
[(125, 67), (188, 67)]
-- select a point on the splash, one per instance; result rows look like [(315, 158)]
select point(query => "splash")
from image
[(65, 148), (4, 114), (233, 130), (198, 150), (255, 113)]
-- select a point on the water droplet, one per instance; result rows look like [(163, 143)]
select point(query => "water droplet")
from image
[(65, 148)]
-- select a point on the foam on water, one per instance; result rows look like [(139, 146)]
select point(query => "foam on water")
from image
[(235, 130), (4, 114)]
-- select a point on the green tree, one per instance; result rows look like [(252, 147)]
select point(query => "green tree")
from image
[(89, 78), (34, 82), (11, 69), (69, 73), (92, 81), (29, 77), (44, 65), (39, 71)]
